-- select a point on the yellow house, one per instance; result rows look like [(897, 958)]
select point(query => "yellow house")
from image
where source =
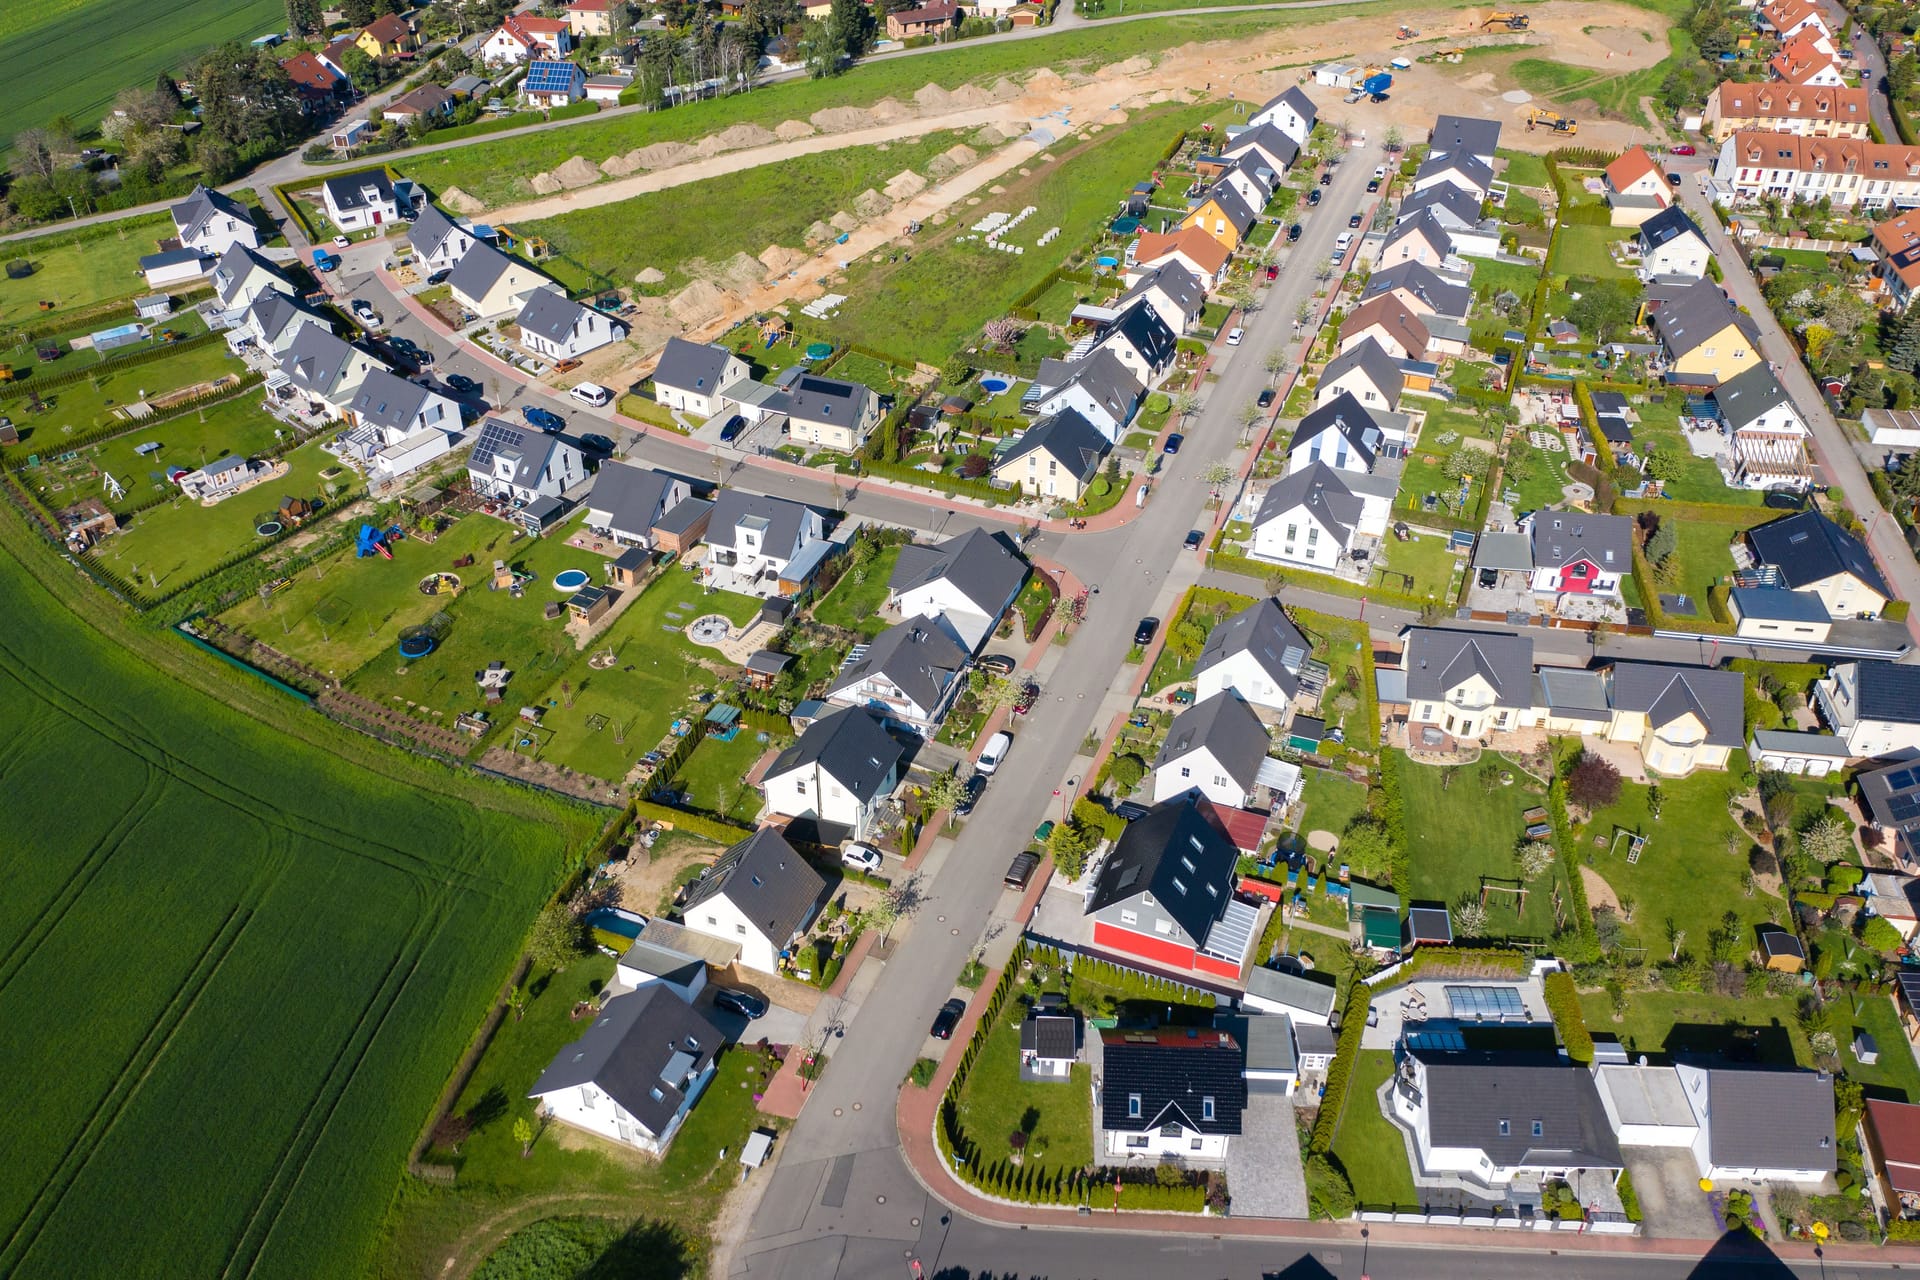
[(1705, 339), (1819, 561), (1468, 684), (387, 37), (1057, 457), (818, 9), (1223, 214), (1681, 718)]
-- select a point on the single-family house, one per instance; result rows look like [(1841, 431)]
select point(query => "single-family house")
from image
[(755, 542), (524, 36), (1423, 290), (1268, 144), (357, 200), (518, 464), (1144, 343), (1165, 894), (1099, 386), (428, 102), (1193, 248), (1890, 1143), (1455, 209), (1705, 339), (1049, 1045), (488, 283), (592, 17), (1813, 111), (908, 674), (1671, 245), (556, 327), (968, 582), (1386, 320), (240, 276), (321, 85), (1890, 798), (1766, 436), (1292, 113), (1223, 213), (1873, 707), (1309, 518), (1796, 1144), (760, 895), (837, 773), (627, 502), (1057, 457), (927, 20), (438, 241), (1468, 684), (1771, 613), (691, 375), (1173, 1093), (1419, 239), (1340, 434), (1896, 248), (1681, 718), (388, 36), (1175, 294), (1251, 178), (274, 320), (550, 83), (1470, 173), (1808, 552), (1636, 189), (406, 424), (1790, 18), (1214, 749), (1577, 553), (647, 964), (830, 413), (1257, 653), (326, 369), (638, 1071), (1802, 61), (1364, 372), (1492, 1119), (211, 222), (1464, 135)]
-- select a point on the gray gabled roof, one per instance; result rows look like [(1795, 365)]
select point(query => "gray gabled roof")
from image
[(643, 1051), (1382, 370), (631, 496), (1177, 840), (1347, 416), (1471, 167), (358, 190), (1795, 1110), (1439, 660), (273, 311), (1443, 197), (236, 264), (386, 399), (1268, 139), (1562, 538), (767, 881), (835, 401), (1446, 297), (1263, 631), (431, 229), (1468, 135), (1667, 693), (1295, 990), (1102, 376), (1067, 438), (1320, 490), (1748, 394), (916, 656), (1807, 548), (478, 270), (1424, 225), (784, 520), (201, 206), (1670, 223), (1696, 316), (1292, 96), (1151, 336), (692, 366), (1173, 279), (1470, 1097), (317, 360), (1238, 212), (549, 313), (1226, 727), (982, 566), (530, 449), (850, 746)]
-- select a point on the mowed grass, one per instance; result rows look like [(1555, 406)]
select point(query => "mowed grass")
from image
[(1368, 1146), (714, 777), (1056, 1116), (1459, 833), (75, 58), (254, 962), (925, 309), (1583, 251), (854, 603), (677, 228), (72, 273), (237, 426)]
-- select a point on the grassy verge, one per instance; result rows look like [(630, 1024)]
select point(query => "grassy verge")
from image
[(1369, 1146)]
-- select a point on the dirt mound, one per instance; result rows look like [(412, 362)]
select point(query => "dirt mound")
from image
[(781, 260), (819, 233), (661, 155), (1045, 80), (544, 184), (746, 135), (460, 202), (932, 98), (1003, 90), (955, 158), (871, 204), (794, 130), (741, 272), (968, 96), (888, 110), (577, 172), (1115, 117), (698, 303), (905, 185), (651, 275), (843, 221), (708, 147), (988, 136), (839, 119), (618, 166), (1131, 67)]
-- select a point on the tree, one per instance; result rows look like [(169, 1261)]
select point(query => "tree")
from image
[(1594, 783), (559, 938), (1329, 1193), (1880, 934), (1603, 309), (1000, 334), (975, 465), (1663, 542), (523, 1134), (1467, 461), (452, 1129), (1069, 843), (1906, 481), (360, 68), (1186, 638), (1469, 918), (517, 1001), (1827, 841), (34, 154), (1127, 770), (303, 18), (1217, 473), (945, 792), (1367, 849), (357, 12), (1275, 364), (1531, 859), (1187, 403)]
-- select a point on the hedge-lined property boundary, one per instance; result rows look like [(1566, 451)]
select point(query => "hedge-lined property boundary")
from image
[(1563, 1002)]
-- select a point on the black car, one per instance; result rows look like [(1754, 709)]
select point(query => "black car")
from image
[(1293, 233), (1144, 632), (542, 419), (1266, 398), (1373, 185), (732, 429), (1313, 196), (461, 384), (594, 443), (1673, 179), (1194, 538), (1354, 222), (970, 796), (1326, 179), (745, 1003), (948, 1018), (1173, 443), (440, 276), (412, 350)]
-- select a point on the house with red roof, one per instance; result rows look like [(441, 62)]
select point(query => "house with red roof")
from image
[(1636, 189), (1890, 1142), (1801, 60), (320, 84), (523, 36)]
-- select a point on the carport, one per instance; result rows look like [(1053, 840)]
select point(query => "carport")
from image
[(1502, 574)]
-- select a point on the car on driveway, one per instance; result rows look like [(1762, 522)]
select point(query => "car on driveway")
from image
[(1684, 149), (862, 857), (733, 428), (745, 1003), (994, 753), (363, 312), (1266, 398), (1143, 633), (544, 419), (461, 384), (1195, 537), (969, 796), (1174, 441), (947, 1019), (440, 276), (1001, 664), (341, 242)]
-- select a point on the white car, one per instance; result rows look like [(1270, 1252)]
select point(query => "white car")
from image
[(591, 393), (995, 752), (341, 242), (1233, 338), (862, 857)]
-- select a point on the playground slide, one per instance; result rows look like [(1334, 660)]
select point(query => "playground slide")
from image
[(384, 550)]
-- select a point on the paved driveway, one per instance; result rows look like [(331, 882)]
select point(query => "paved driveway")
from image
[(1263, 1163), (1668, 1184)]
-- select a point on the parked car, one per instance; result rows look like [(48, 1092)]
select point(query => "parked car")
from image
[(461, 384), (1373, 186), (1021, 870), (970, 796), (1195, 537), (413, 351), (1174, 441), (1023, 701), (544, 419), (1143, 634), (1313, 196), (948, 1018), (745, 1003), (1293, 233), (1266, 398), (1001, 664), (1673, 179), (341, 242), (994, 752), (1234, 335), (594, 443), (1684, 149), (1354, 222), (862, 857), (1273, 269), (590, 393), (363, 312), (440, 276), (1326, 179), (732, 428)]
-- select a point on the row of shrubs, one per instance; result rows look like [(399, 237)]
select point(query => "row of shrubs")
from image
[(1563, 1003)]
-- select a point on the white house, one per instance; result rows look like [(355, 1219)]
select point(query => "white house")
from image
[(1214, 748), (402, 424), (646, 964), (1257, 653), (519, 464), (1809, 552), (242, 275), (439, 241), (838, 773), (523, 36), (488, 283), (1174, 293), (753, 541), (1049, 1046), (553, 325), (1766, 436), (1576, 553), (1795, 1143), (1671, 245), (637, 1072), (1493, 1119), (831, 413), (1307, 518), (760, 895), (552, 83), (1364, 372), (1057, 457), (273, 322), (627, 501), (909, 674), (213, 222), (1292, 113), (326, 369), (355, 201), (1171, 1094), (1099, 387), (1142, 342), (692, 375), (1872, 707), (967, 581), (1468, 684), (1338, 434)]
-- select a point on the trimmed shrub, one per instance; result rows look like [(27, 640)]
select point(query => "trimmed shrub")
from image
[(1563, 1002)]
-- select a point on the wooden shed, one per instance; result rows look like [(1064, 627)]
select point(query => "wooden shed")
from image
[(1782, 951)]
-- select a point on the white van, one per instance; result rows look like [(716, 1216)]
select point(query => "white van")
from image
[(591, 393)]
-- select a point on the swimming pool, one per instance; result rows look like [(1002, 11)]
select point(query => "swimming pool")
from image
[(570, 580), (615, 920), (994, 384)]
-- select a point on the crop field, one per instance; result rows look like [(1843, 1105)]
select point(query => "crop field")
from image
[(66, 58), (235, 969)]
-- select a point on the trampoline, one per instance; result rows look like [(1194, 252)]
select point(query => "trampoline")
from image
[(267, 528), (994, 384), (819, 350), (417, 644), (570, 580)]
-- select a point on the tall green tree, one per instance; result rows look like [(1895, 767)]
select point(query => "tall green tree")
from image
[(303, 18)]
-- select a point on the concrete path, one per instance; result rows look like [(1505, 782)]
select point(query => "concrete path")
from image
[(1263, 1164)]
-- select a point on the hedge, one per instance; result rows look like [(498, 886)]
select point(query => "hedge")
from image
[(706, 828), (1903, 1230), (1563, 1002), (1333, 1098), (1570, 859), (1629, 1199), (1583, 396), (955, 486), (1391, 811)]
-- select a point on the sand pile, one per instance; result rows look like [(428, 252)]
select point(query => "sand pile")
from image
[(794, 130), (888, 110), (746, 135), (955, 158), (843, 221), (708, 147), (1115, 117), (905, 185), (996, 190), (989, 136), (968, 96), (741, 272), (661, 155), (544, 184), (1045, 80), (651, 275), (781, 260), (839, 119), (932, 98), (577, 172), (460, 202), (1131, 67), (698, 303), (819, 233), (871, 204), (1004, 90), (618, 166)]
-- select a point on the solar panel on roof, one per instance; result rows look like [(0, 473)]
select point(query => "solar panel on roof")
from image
[(1292, 657), (1905, 807), (1900, 781)]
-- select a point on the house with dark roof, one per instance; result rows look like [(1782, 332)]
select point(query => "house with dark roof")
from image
[(1470, 173), (439, 241), (837, 773), (1467, 684), (1681, 718), (1165, 893), (909, 674), (760, 545), (555, 327), (1175, 294), (1419, 239), (1704, 338), (1057, 457), (760, 895), (691, 376), (1257, 653), (1873, 707), (552, 83), (402, 424), (1814, 754), (1291, 112), (1422, 289), (636, 1074), (1809, 552), (1766, 435), (1267, 143), (361, 199), (1671, 245), (968, 582), (240, 276), (212, 222), (1577, 553), (1890, 795), (424, 102), (388, 36), (273, 322), (1171, 1093), (1142, 342), (1100, 387), (1049, 1045), (627, 502), (1215, 749), (174, 266), (1464, 135), (1494, 1119), (1797, 1142), (488, 283), (831, 413), (1340, 434), (324, 368), (520, 465), (1367, 373), (1772, 613), (1310, 518), (1223, 213)]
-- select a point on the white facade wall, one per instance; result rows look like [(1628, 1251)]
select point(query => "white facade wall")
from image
[(1245, 675), (1197, 771), (586, 1107)]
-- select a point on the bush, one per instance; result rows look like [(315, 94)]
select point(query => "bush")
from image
[(1563, 1002), (1880, 934), (1340, 1072), (1329, 1193), (1629, 1200), (1593, 783)]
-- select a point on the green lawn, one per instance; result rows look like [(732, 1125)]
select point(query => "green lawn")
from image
[(1428, 560), (235, 426), (1704, 559), (1761, 1029), (82, 405), (1459, 832), (73, 273), (1491, 278), (995, 1103), (714, 777), (1583, 251), (1524, 169), (854, 602), (1368, 1146), (1699, 479), (1332, 799), (1616, 90)]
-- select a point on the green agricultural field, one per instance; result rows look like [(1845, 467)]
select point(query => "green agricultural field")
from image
[(255, 962), (68, 58), (1459, 833), (677, 229), (925, 309), (77, 271)]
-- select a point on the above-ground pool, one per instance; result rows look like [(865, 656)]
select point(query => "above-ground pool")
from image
[(994, 384), (1106, 261), (267, 528), (819, 350), (570, 579), (613, 920)]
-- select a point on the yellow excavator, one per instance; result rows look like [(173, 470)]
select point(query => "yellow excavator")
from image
[(1553, 120), (1506, 18)]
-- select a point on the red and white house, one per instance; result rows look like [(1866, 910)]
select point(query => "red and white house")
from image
[(1791, 18), (1803, 61), (523, 36), (1164, 895), (1575, 553)]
